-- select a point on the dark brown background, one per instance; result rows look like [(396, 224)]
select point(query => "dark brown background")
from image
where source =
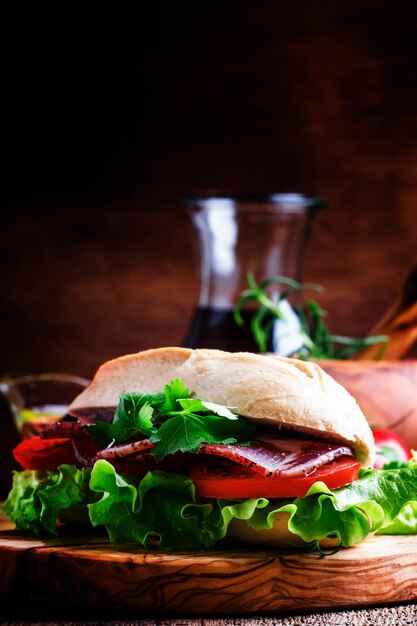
[(110, 117)]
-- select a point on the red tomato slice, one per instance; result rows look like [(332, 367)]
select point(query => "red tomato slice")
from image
[(389, 447), (223, 479), (44, 454)]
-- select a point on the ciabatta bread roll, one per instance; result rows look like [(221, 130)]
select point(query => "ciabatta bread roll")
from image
[(277, 392)]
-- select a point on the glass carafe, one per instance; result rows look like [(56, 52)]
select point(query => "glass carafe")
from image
[(266, 236)]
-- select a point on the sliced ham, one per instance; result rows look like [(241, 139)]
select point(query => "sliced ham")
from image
[(280, 457)]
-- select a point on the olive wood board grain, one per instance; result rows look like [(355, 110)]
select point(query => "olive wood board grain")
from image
[(83, 569)]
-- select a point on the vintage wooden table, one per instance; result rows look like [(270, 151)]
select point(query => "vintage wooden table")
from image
[(80, 576)]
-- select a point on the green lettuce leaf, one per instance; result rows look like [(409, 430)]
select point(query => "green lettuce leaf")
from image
[(37, 499), (160, 510), (379, 501), (404, 524)]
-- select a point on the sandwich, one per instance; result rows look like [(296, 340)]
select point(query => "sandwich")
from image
[(174, 448)]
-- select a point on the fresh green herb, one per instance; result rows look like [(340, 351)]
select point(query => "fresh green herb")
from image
[(173, 422), (269, 310), (391, 454), (395, 465), (172, 393), (132, 417), (192, 424), (316, 341), (395, 462), (319, 343)]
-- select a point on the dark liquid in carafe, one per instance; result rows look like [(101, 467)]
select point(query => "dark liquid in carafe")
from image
[(217, 328)]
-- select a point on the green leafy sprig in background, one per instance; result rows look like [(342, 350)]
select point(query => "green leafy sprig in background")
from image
[(317, 340)]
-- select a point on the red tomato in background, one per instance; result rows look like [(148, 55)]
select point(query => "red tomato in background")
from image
[(44, 454), (389, 447)]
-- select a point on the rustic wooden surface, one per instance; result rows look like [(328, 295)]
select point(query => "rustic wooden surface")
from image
[(83, 570)]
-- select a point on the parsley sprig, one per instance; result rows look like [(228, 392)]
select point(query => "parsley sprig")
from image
[(173, 421), (317, 340)]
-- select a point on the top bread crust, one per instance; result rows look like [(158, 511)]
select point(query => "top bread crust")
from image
[(280, 392)]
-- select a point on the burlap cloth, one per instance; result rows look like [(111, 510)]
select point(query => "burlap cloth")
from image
[(387, 616), (399, 615)]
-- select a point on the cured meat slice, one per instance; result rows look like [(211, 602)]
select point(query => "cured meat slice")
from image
[(85, 449), (63, 429), (280, 457), (268, 457), (126, 449)]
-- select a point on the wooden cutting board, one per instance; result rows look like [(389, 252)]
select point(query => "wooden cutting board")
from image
[(84, 570)]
